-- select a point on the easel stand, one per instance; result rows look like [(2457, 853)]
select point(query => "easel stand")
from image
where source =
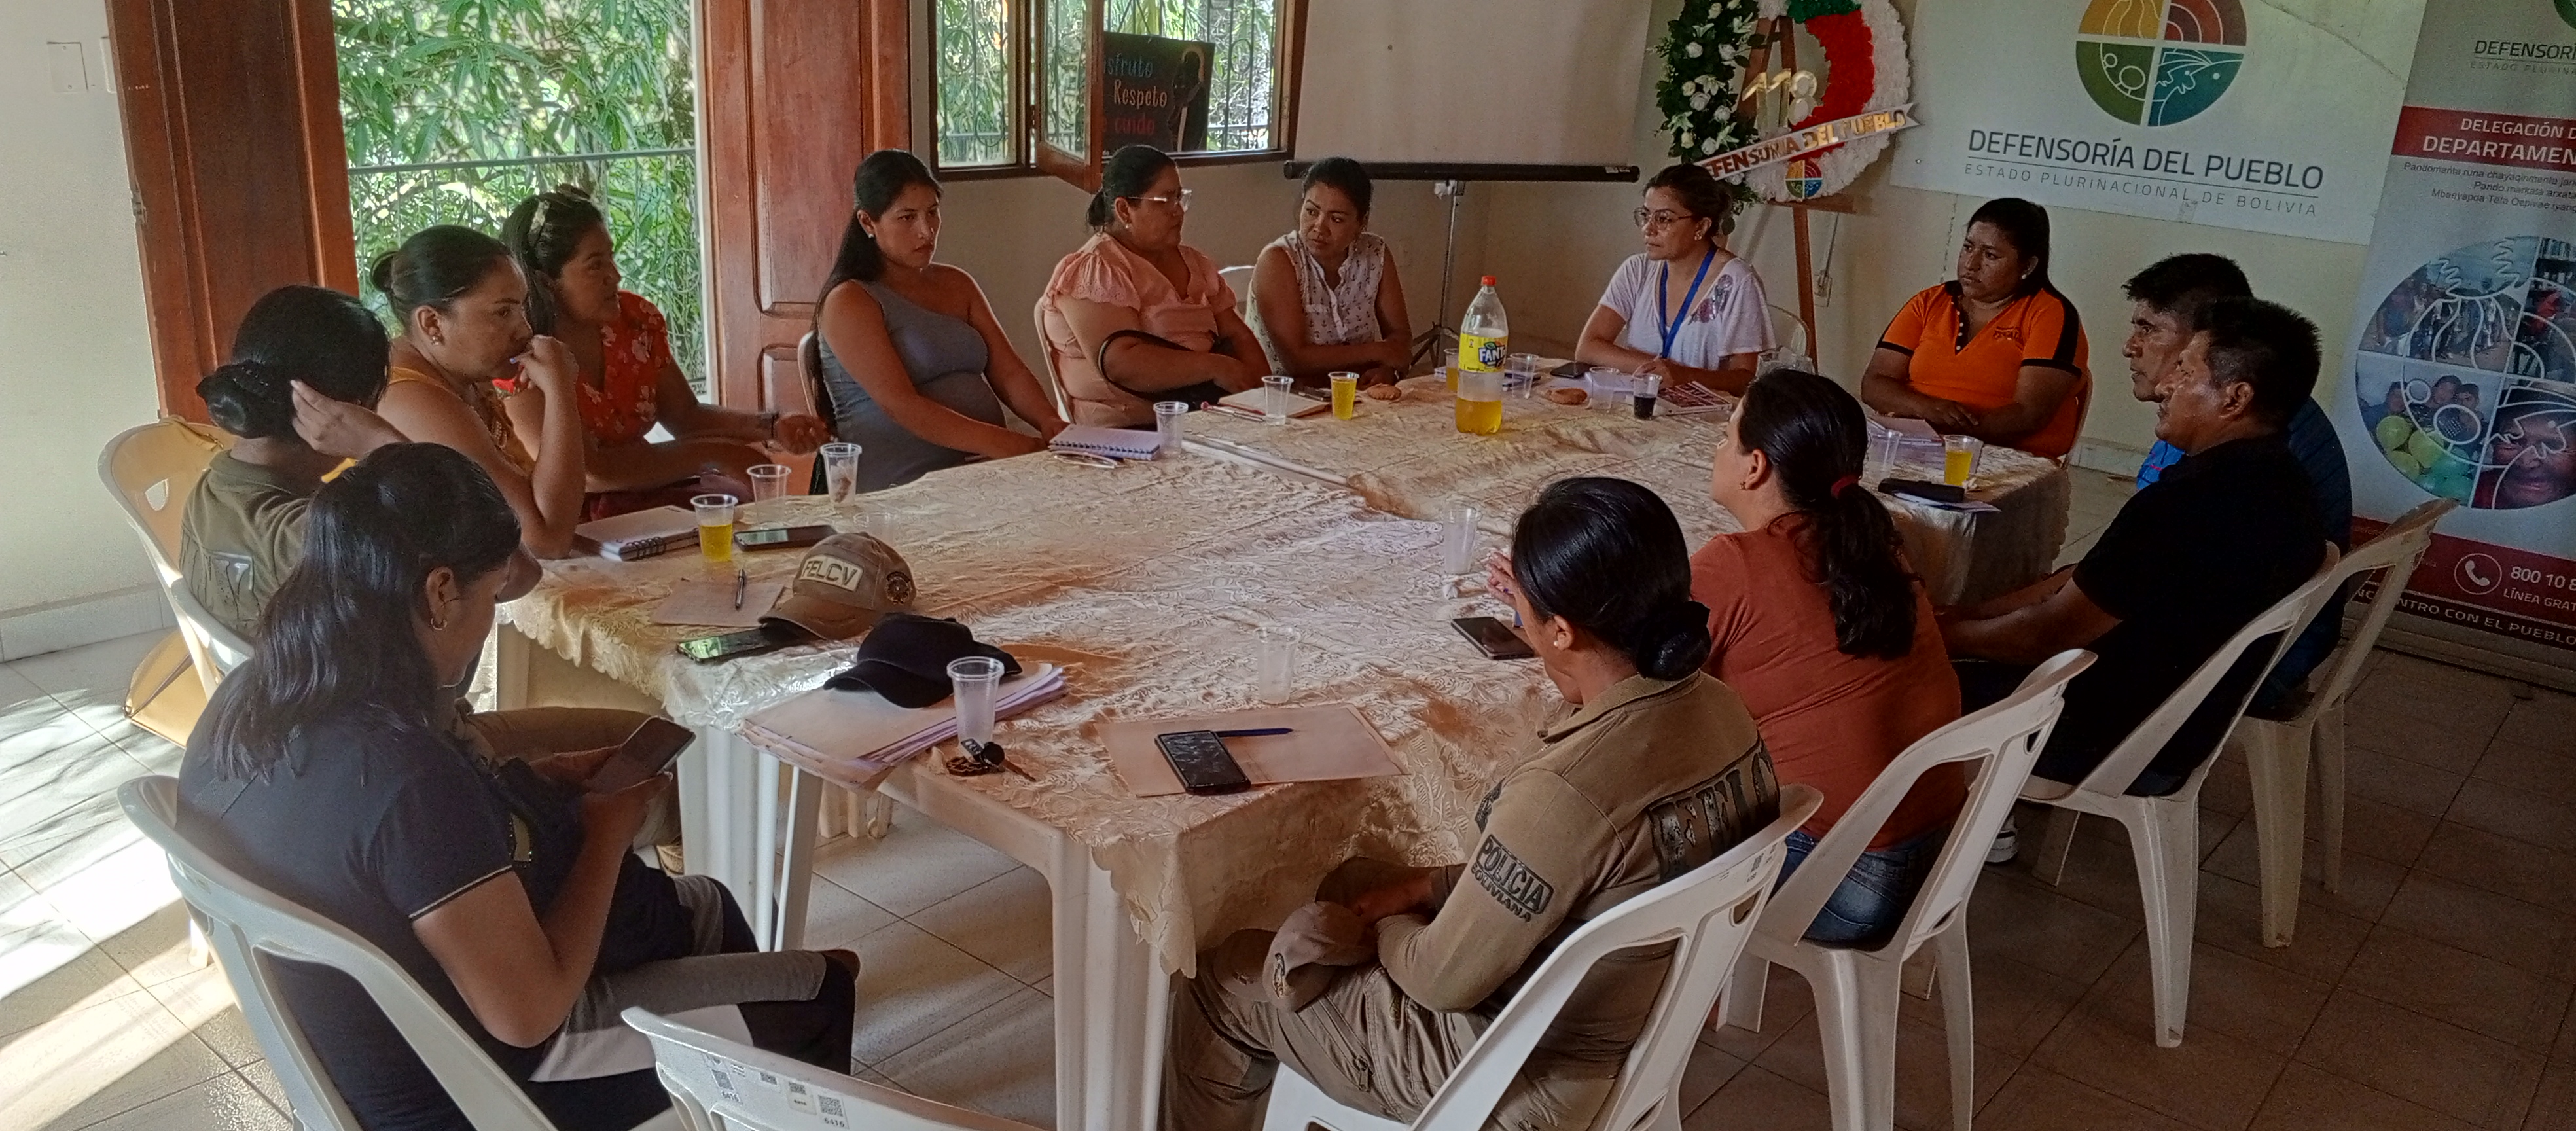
[(1427, 343)]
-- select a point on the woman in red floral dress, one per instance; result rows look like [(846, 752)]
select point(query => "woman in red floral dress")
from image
[(629, 381)]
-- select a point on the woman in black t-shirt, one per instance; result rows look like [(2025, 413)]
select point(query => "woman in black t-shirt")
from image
[(323, 770)]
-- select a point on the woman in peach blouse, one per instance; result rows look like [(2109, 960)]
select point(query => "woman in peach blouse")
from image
[(1135, 316)]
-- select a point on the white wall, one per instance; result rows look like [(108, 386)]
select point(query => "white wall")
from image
[(75, 352), (1555, 245)]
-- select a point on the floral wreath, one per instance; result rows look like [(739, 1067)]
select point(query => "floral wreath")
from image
[(1706, 49)]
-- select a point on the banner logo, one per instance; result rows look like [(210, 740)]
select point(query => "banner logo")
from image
[(2159, 62), (1810, 141)]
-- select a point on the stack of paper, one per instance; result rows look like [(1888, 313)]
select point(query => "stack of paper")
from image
[(641, 534), (1123, 443), (863, 737)]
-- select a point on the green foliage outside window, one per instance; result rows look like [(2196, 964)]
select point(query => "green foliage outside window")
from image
[(489, 83), (972, 38)]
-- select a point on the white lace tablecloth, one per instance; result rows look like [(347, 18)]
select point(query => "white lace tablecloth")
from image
[(1407, 457), (1148, 583)]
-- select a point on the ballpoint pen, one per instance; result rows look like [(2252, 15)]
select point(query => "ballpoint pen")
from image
[(1257, 732), (741, 581)]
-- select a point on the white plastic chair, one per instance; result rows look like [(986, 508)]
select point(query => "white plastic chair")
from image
[(1856, 990), (151, 471), (1707, 912), (252, 927), (722, 1085), (2277, 751), (2164, 832), (1046, 358), (1789, 340), (1240, 279)]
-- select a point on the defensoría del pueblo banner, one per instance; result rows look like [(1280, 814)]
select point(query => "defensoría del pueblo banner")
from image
[(2233, 113), (2463, 378)]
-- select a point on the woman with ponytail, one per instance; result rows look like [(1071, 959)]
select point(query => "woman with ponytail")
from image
[(629, 381), (1818, 623), (1652, 769), (1134, 315), (917, 366), (307, 366)]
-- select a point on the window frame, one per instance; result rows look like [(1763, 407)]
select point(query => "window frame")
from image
[(1030, 156)]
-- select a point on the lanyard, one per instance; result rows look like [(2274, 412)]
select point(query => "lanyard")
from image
[(1664, 322)]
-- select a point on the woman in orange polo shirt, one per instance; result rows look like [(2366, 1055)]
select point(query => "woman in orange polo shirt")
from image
[(1999, 353)]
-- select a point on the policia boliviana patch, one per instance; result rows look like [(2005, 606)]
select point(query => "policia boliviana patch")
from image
[(1520, 890)]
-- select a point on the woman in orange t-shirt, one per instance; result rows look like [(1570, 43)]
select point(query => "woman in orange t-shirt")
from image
[(1828, 637), (1998, 353)]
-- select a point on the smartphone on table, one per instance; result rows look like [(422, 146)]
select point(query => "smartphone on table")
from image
[(748, 642), (645, 753), (780, 537), (1199, 758), (1494, 638)]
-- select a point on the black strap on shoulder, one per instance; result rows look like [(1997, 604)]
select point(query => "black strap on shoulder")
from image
[(1100, 356)]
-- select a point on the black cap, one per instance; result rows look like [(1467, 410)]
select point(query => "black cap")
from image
[(905, 658)]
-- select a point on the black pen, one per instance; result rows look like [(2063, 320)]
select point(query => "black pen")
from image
[(1261, 732), (741, 581)]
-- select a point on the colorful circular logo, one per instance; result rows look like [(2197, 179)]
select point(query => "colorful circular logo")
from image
[(2466, 377), (2158, 62)]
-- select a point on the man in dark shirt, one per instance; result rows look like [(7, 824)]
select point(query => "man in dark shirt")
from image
[(2190, 559), (2162, 300)]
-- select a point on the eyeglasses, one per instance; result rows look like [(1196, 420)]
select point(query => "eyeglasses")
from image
[(1182, 201), (1659, 218)]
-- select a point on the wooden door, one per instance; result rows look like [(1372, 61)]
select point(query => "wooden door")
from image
[(792, 93), (241, 177)]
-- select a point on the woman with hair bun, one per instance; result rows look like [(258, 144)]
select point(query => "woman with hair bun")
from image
[(1685, 308), (1134, 315), (1818, 623), (629, 382), (462, 301), (307, 366), (918, 368), (1652, 769)]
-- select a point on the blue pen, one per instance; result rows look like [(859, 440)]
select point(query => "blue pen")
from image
[(1258, 733)]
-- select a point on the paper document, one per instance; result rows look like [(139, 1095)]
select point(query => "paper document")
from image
[(711, 603), (855, 738), (1326, 743), (1904, 426)]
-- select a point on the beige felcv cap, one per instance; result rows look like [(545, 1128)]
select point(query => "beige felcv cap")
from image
[(845, 582)]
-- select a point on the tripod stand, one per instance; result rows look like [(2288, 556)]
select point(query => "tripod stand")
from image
[(1427, 343)]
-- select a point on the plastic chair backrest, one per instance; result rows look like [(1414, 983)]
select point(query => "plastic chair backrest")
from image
[(215, 649), (2005, 738), (1707, 913), (1239, 279), (1046, 360), (152, 469), (2284, 619), (722, 1085), (250, 927), (2397, 550), (1788, 340)]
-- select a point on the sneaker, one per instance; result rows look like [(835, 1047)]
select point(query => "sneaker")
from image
[(2007, 844)]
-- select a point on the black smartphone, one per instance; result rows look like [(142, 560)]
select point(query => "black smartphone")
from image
[(645, 753), (748, 642), (780, 537), (1926, 491), (1202, 762), (1494, 638), (1572, 370)]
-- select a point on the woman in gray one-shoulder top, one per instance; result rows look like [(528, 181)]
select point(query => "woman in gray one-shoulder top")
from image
[(917, 387)]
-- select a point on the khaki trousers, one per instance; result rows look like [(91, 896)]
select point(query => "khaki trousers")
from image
[(1361, 1041)]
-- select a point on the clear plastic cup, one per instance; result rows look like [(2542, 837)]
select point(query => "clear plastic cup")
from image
[(1520, 374), (1458, 536), (1275, 675), (973, 679), (841, 472), (1959, 458), (1449, 366), (1346, 395), (1167, 422), (715, 526), (1609, 387), (1650, 386), (768, 481), (1278, 399)]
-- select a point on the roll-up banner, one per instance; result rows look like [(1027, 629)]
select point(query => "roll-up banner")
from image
[(2463, 379)]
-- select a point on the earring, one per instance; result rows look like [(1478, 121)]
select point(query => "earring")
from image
[(437, 625)]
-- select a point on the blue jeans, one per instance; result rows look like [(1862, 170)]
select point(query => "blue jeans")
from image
[(1872, 899)]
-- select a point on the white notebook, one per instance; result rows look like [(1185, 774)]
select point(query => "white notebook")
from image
[(1124, 443), (1302, 404), (641, 534)]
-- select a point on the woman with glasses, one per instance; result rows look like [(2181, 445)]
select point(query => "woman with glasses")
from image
[(1685, 309), (1135, 316), (629, 381), (1327, 294)]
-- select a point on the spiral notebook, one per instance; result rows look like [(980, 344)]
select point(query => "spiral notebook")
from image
[(641, 534), (1123, 443)]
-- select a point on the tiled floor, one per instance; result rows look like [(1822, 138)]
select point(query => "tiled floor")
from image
[(2431, 994)]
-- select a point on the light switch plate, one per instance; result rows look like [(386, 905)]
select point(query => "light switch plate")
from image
[(70, 66)]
